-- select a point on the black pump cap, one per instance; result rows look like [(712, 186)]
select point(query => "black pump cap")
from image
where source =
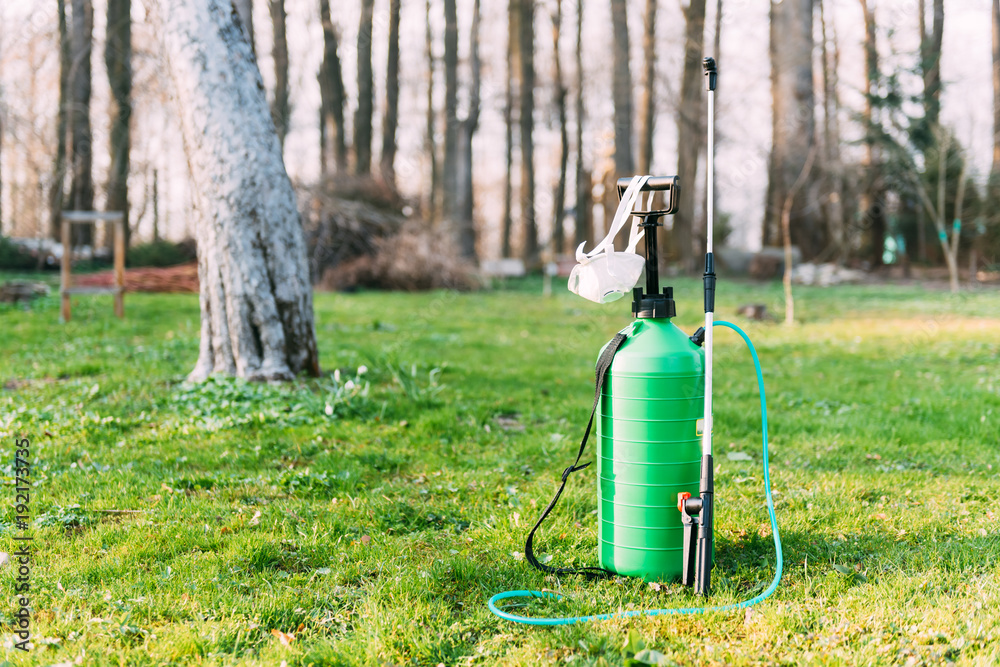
[(648, 306)]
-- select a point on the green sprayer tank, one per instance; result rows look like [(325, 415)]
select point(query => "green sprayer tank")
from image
[(649, 449)]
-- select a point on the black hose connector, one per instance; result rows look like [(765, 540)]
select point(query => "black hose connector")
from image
[(709, 280), (712, 72)]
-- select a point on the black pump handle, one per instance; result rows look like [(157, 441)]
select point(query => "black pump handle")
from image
[(668, 184)]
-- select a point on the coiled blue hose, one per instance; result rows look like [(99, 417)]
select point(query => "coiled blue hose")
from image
[(570, 620)]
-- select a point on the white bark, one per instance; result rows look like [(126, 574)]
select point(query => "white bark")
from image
[(256, 300)]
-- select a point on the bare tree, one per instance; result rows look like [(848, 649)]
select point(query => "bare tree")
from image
[(647, 103), (786, 234), (432, 200), (280, 110), (584, 223), (559, 196), (996, 89), (690, 134), (793, 124), (333, 133), (449, 171), (366, 93), (57, 189), (937, 209), (527, 123), (118, 60), (465, 224), (245, 10), (832, 168), (874, 195), (622, 90), (513, 72), (256, 300), (390, 119), (930, 62), (81, 195)]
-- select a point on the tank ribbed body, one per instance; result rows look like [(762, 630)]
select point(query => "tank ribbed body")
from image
[(648, 449)]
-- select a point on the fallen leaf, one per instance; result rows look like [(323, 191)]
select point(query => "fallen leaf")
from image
[(256, 518), (366, 539), (283, 637)]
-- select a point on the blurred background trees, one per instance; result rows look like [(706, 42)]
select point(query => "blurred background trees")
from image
[(490, 130)]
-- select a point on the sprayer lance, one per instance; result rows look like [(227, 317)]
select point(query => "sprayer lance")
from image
[(697, 513)]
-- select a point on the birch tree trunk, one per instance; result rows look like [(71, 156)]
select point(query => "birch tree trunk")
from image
[(332, 133), (793, 125), (647, 103), (366, 93), (118, 60), (280, 110), (690, 133), (256, 300), (390, 119), (559, 196), (81, 194)]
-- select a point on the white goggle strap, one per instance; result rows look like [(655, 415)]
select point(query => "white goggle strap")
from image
[(621, 215), (637, 233)]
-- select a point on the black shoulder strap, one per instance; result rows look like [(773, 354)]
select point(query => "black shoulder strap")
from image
[(603, 363)]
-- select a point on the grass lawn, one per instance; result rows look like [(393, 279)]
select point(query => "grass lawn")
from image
[(371, 515)]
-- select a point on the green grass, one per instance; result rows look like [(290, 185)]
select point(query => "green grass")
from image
[(372, 522)]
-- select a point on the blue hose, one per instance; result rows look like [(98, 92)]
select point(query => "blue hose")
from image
[(570, 620)]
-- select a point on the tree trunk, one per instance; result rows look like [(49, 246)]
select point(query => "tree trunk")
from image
[(513, 72), (996, 89), (622, 91), (584, 222), (156, 206), (256, 300), (280, 110), (691, 136), (118, 59), (57, 190), (873, 197), (647, 104), (390, 120), (465, 227), (793, 125), (81, 194), (530, 252), (832, 170), (559, 196), (432, 197), (449, 171), (930, 62), (245, 10), (333, 134), (366, 93)]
